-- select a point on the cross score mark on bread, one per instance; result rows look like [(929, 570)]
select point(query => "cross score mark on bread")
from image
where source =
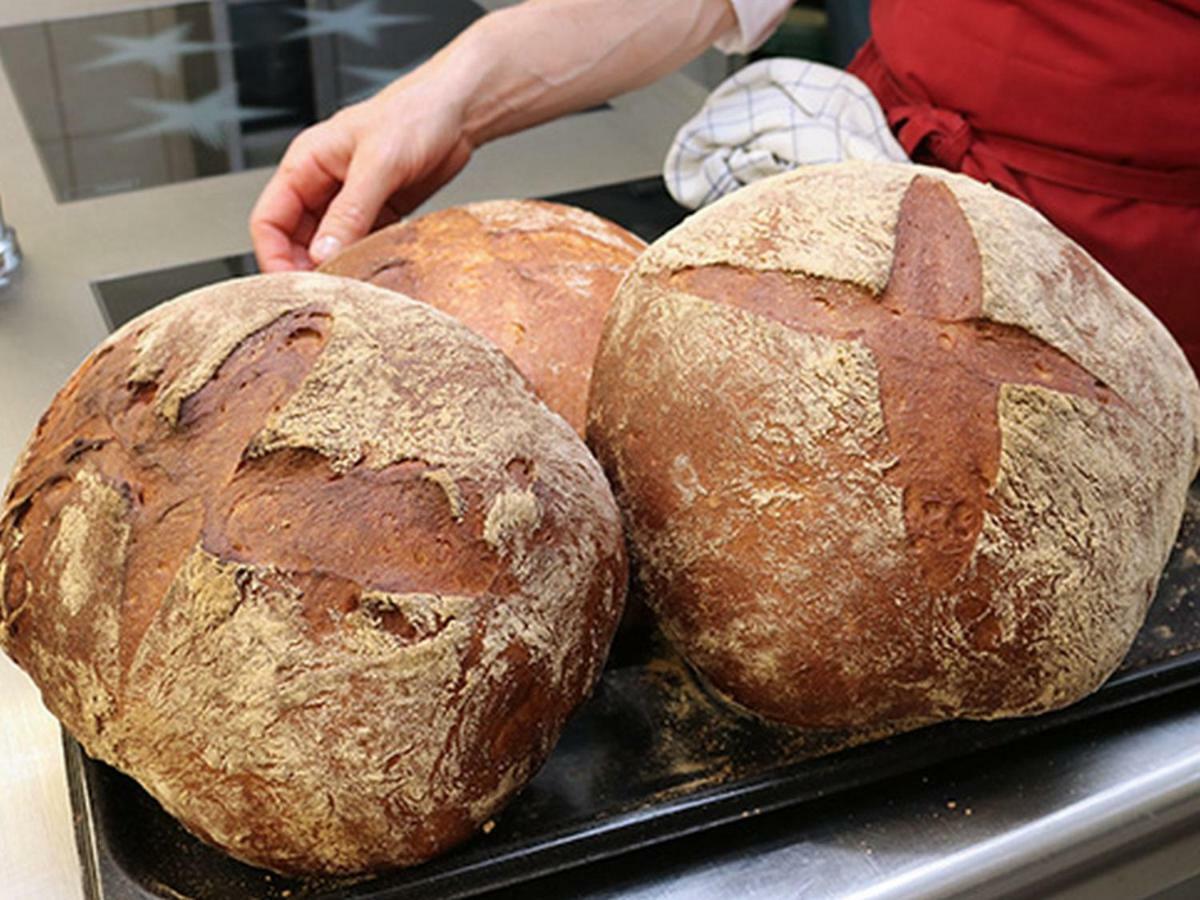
[(281, 504), (312, 563), (927, 328)]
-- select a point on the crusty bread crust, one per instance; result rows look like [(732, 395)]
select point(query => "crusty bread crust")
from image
[(310, 561), (535, 278), (891, 449)]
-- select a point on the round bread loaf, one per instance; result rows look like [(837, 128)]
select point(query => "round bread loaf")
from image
[(535, 278), (891, 449), (312, 563)]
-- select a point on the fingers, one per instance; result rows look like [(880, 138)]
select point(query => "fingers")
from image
[(356, 207), (412, 195), (389, 215), (333, 187), (305, 230), (272, 221), (301, 237), (285, 216)]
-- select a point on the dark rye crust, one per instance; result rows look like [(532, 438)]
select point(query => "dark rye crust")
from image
[(310, 561), (877, 500), (535, 278)]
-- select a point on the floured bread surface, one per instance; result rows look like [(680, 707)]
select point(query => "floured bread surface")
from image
[(891, 449), (311, 562), (536, 278)]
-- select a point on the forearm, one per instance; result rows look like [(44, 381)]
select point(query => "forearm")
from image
[(380, 159), (529, 63)]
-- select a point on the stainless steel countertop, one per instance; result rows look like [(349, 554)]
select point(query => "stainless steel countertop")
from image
[(1122, 802), (1106, 809)]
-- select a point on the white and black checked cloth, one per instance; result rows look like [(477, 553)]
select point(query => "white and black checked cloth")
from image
[(775, 115)]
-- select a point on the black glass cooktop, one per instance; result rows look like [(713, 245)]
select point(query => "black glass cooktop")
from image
[(125, 101)]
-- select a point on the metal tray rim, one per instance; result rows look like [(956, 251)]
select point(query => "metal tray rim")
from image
[(576, 842)]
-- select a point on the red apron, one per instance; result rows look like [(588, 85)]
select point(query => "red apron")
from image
[(1089, 111)]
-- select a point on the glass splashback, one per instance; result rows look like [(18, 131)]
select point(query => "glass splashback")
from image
[(124, 101)]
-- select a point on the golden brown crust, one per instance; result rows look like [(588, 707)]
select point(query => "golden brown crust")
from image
[(264, 555), (861, 498), (535, 278)]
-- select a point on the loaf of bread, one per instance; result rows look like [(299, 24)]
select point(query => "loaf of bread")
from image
[(891, 449), (535, 278), (312, 563)]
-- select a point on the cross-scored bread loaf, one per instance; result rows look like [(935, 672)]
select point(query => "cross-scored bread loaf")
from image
[(312, 563), (891, 448), (535, 278)]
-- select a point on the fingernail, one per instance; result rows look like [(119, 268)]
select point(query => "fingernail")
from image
[(323, 248)]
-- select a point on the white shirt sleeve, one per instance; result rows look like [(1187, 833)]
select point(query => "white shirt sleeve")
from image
[(756, 19)]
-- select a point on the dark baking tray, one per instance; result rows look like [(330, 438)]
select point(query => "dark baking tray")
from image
[(651, 756)]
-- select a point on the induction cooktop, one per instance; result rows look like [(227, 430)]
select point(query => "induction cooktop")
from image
[(124, 101)]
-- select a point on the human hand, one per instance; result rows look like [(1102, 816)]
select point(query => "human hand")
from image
[(525, 64), (365, 167)]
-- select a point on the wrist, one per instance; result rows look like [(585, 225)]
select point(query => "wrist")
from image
[(477, 70), (448, 87)]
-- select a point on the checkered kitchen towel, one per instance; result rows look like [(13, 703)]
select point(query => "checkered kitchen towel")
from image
[(775, 115)]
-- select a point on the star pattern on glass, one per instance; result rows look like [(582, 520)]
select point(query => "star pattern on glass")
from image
[(204, 118), (361, 22), (376, 78), (162, 50)]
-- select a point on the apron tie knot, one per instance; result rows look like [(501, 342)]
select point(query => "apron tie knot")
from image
[(931, 134)]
